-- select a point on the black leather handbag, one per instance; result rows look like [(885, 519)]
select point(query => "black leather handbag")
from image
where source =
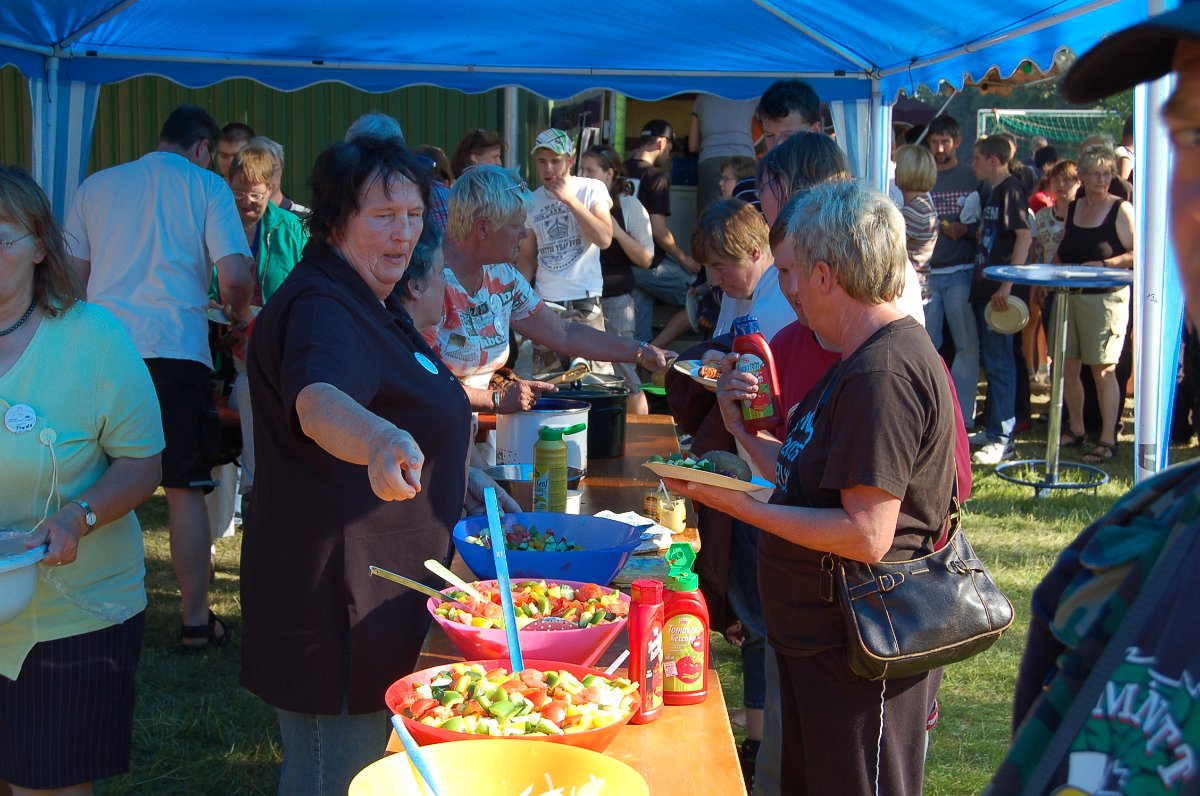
[(907, 617)]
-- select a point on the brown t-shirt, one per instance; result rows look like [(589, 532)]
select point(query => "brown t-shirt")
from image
[(887, 422)]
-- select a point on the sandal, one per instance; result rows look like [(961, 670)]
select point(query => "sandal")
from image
[(208, 632), (1101, 453), (1069, 439)]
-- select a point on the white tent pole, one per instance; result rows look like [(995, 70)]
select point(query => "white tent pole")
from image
[(819, 38), (26, 46), (1157, 296), (982, 44), (95, 23), (881, 133)]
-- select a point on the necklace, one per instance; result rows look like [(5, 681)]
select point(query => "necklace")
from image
[(20, 321)]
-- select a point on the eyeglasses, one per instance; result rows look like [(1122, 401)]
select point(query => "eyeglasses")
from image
[(520, 186), (8, 244), (253, 197)]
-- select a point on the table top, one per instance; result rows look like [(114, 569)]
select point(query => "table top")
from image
[(1060, 276), (689, 749)]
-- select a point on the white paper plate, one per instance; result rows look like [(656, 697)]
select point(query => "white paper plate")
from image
[(691, 367), (663, 470), (1011, 320)]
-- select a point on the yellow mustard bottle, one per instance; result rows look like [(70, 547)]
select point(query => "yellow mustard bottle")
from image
[(550, 468)]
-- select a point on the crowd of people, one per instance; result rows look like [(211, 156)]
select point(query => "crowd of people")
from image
[(367, 328)]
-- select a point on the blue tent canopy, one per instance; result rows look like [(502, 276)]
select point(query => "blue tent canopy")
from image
[(644, 49)]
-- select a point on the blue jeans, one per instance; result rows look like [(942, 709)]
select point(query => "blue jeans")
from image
[(948, 301), (1001, 371), (742, 591), (322, 753), (667, 282)]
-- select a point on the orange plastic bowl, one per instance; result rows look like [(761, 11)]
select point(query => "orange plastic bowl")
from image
[(583, 646), (596, 740)]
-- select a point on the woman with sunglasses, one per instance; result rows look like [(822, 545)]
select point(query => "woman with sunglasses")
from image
[(632, 246)]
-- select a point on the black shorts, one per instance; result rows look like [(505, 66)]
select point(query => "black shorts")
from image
[(189, 419), (68, 717)]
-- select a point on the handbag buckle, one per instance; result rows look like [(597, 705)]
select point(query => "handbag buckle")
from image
[(890, 581), (958, 567)]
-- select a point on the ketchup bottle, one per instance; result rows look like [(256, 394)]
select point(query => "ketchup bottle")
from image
[(764, 412), (685, 642), (645, 626)]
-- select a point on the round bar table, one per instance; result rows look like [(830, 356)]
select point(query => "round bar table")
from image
[(1060, 280)]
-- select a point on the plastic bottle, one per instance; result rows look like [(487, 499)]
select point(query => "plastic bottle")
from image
[(645, 625), (550, 468), (685, 631), (766, 411)]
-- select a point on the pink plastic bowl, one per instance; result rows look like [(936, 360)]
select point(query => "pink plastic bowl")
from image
[(583, 647)]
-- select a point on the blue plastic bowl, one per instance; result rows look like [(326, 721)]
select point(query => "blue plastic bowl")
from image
[(607, 545)]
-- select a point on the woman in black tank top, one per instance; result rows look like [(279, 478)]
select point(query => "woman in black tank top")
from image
[(1099, 232)]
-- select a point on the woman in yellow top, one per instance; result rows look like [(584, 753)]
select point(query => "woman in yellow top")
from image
[(79, 449)]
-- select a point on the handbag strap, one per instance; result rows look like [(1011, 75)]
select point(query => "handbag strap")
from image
[(1156, 584)]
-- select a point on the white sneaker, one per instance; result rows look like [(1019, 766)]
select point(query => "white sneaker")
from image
[(979, 439), (994, 453)]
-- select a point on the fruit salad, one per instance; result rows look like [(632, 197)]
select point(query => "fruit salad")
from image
[(467, 698), (586, 606), (518, 537)]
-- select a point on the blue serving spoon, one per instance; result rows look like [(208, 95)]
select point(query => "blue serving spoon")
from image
[(502, 580), (414, 754)]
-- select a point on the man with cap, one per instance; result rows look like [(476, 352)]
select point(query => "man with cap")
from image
[(1106, 698), (568, 226), (670, 272)]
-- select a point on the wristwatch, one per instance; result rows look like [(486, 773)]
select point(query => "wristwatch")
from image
[(89, 516), (496, 399)]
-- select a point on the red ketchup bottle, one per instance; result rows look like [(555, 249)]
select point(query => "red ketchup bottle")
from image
[(645, 625), (685, 633), (764, 412)]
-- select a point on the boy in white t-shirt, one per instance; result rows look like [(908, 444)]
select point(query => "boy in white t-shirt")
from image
[(568, 226)]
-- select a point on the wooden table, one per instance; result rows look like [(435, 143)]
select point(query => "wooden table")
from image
[(690, 749)]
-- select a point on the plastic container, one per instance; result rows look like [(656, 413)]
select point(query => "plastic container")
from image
[(597, 740), (550, 467), (607, 545), (464, 767), (645, 623), (685, 631), (18, 580), (517, 432), (766, 411), (583, 646)]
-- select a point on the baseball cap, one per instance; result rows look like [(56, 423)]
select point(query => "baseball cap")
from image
[(557, 141), (1135, 55), (658, 127)]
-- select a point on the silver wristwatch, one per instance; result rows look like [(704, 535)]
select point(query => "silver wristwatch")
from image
[(89, 516)]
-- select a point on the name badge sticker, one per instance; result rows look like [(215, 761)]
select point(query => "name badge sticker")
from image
[(426, 362), (20, 418)]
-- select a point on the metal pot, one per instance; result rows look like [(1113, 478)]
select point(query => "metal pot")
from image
[(517, 481), (606, 421)]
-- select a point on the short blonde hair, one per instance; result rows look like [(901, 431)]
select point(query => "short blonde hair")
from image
[(485, 191), (256, 163), (857, 231), (729, 229), (915, 168), (1096, 157)]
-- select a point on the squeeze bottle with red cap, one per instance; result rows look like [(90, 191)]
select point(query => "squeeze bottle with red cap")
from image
[(645, 624), (765, 411), (685, 633)]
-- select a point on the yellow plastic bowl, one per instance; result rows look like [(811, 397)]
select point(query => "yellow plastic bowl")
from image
[(505, 769)]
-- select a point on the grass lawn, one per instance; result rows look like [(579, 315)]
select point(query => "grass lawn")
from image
[(197, 732)]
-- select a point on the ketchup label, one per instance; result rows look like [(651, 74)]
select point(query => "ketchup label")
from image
[(652, 685), (761, 406), (683, 654)]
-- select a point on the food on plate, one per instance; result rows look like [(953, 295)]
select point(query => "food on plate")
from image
[(719, 462), (588, 605), (518, 537), (707, 371), (468, 698)]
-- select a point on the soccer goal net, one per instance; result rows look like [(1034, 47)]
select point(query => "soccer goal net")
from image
[(1063, 129)]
